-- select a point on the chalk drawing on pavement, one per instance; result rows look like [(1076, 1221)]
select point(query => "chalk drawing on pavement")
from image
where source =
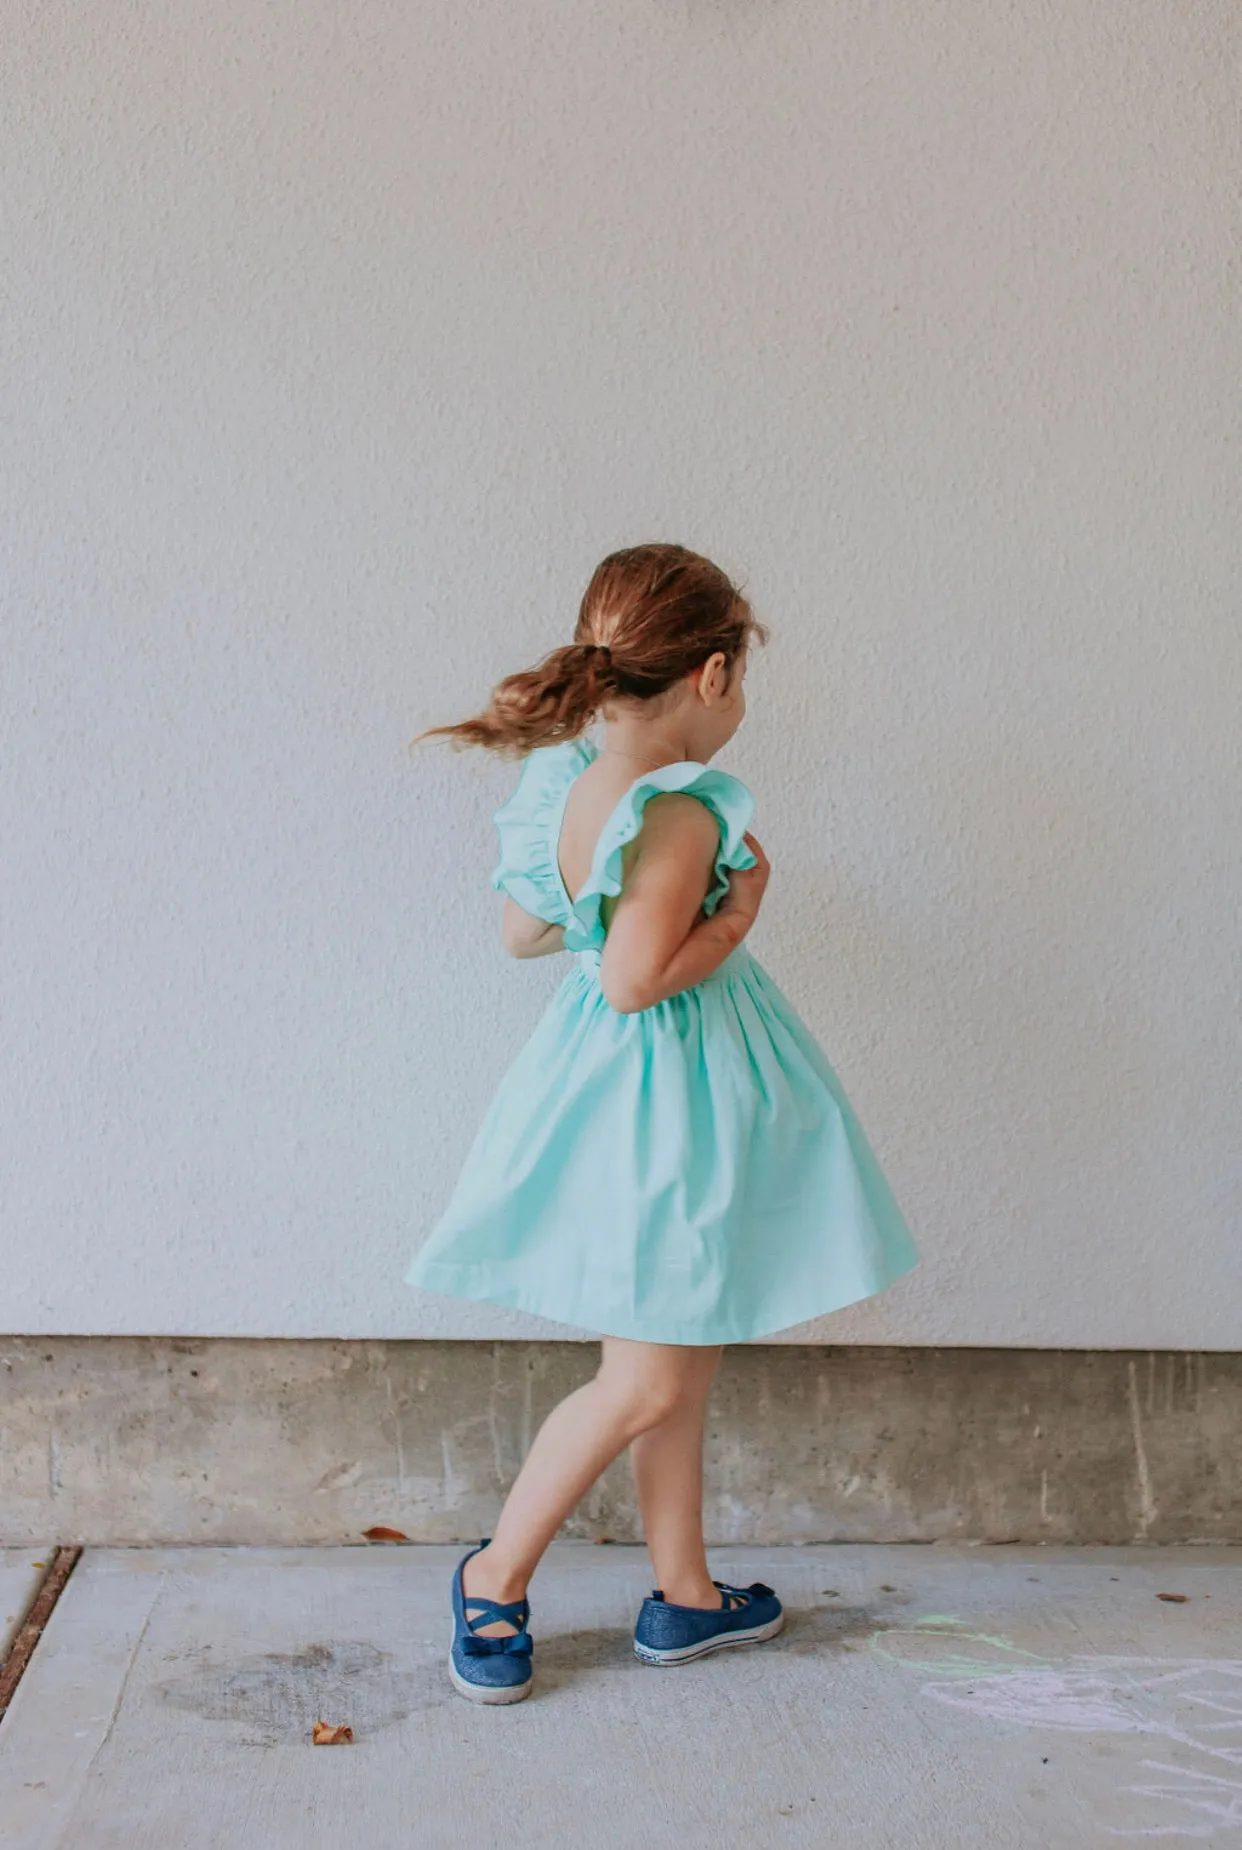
[(1191, 1704)]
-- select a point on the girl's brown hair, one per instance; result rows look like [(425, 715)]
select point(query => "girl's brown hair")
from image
[(650, 615)]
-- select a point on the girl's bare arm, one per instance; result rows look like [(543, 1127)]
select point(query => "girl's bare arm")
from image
[(658, 943), (523, 935)]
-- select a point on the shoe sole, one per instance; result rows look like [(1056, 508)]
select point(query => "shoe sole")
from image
[(482, 1692), (686, 1653)]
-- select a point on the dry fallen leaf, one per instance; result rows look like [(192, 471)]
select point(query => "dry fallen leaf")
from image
[(604, 1541), (1175, 1599), (380, 1534), (323, 1735)]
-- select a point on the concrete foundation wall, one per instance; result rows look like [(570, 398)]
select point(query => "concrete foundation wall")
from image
[(164, 1440)]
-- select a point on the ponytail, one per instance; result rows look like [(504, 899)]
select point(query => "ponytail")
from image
[(543, 705)]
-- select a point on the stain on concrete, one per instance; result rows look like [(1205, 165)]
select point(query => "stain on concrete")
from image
[(275, 1697)]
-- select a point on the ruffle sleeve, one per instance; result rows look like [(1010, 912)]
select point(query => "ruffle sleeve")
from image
[(729, 801), (526, 828)]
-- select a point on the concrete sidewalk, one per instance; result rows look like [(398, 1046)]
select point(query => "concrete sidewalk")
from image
[(921, 1698)]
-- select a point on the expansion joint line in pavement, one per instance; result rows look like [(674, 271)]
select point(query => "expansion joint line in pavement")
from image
[(60, 1566)]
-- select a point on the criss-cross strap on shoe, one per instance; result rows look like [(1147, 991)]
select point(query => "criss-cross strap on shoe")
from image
[(668, 1634), (496, 1669)]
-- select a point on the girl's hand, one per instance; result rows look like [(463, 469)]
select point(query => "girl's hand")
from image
[(746, 886)]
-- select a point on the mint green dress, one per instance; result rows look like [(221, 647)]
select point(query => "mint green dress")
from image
[(689, 1173)]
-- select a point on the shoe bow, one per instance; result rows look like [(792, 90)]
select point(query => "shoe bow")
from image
[(514, 1644)]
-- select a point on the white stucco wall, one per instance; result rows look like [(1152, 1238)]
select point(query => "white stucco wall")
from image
[(339, 344)]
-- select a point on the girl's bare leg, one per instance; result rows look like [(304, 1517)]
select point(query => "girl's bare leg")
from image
[(667, 1462), (638, 1386)]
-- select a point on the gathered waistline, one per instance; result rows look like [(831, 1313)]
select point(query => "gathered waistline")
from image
[(588, 961)]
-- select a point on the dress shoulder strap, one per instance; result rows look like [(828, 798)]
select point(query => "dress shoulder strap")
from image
[(526, 827)]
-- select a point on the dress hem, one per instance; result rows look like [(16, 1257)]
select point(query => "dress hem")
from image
[(455, 1283)]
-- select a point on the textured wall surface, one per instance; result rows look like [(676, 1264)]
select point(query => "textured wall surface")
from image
[(338, 346), (126, 1440)]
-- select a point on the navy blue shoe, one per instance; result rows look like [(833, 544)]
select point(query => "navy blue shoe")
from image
[(667, 1634), (489, 1669)]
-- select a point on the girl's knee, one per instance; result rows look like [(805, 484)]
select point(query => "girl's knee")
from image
[(645, 1393)]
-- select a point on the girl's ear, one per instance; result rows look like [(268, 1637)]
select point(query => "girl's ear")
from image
[(711, 681)]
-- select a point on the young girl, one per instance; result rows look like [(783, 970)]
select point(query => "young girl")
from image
[(670, 1160)]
